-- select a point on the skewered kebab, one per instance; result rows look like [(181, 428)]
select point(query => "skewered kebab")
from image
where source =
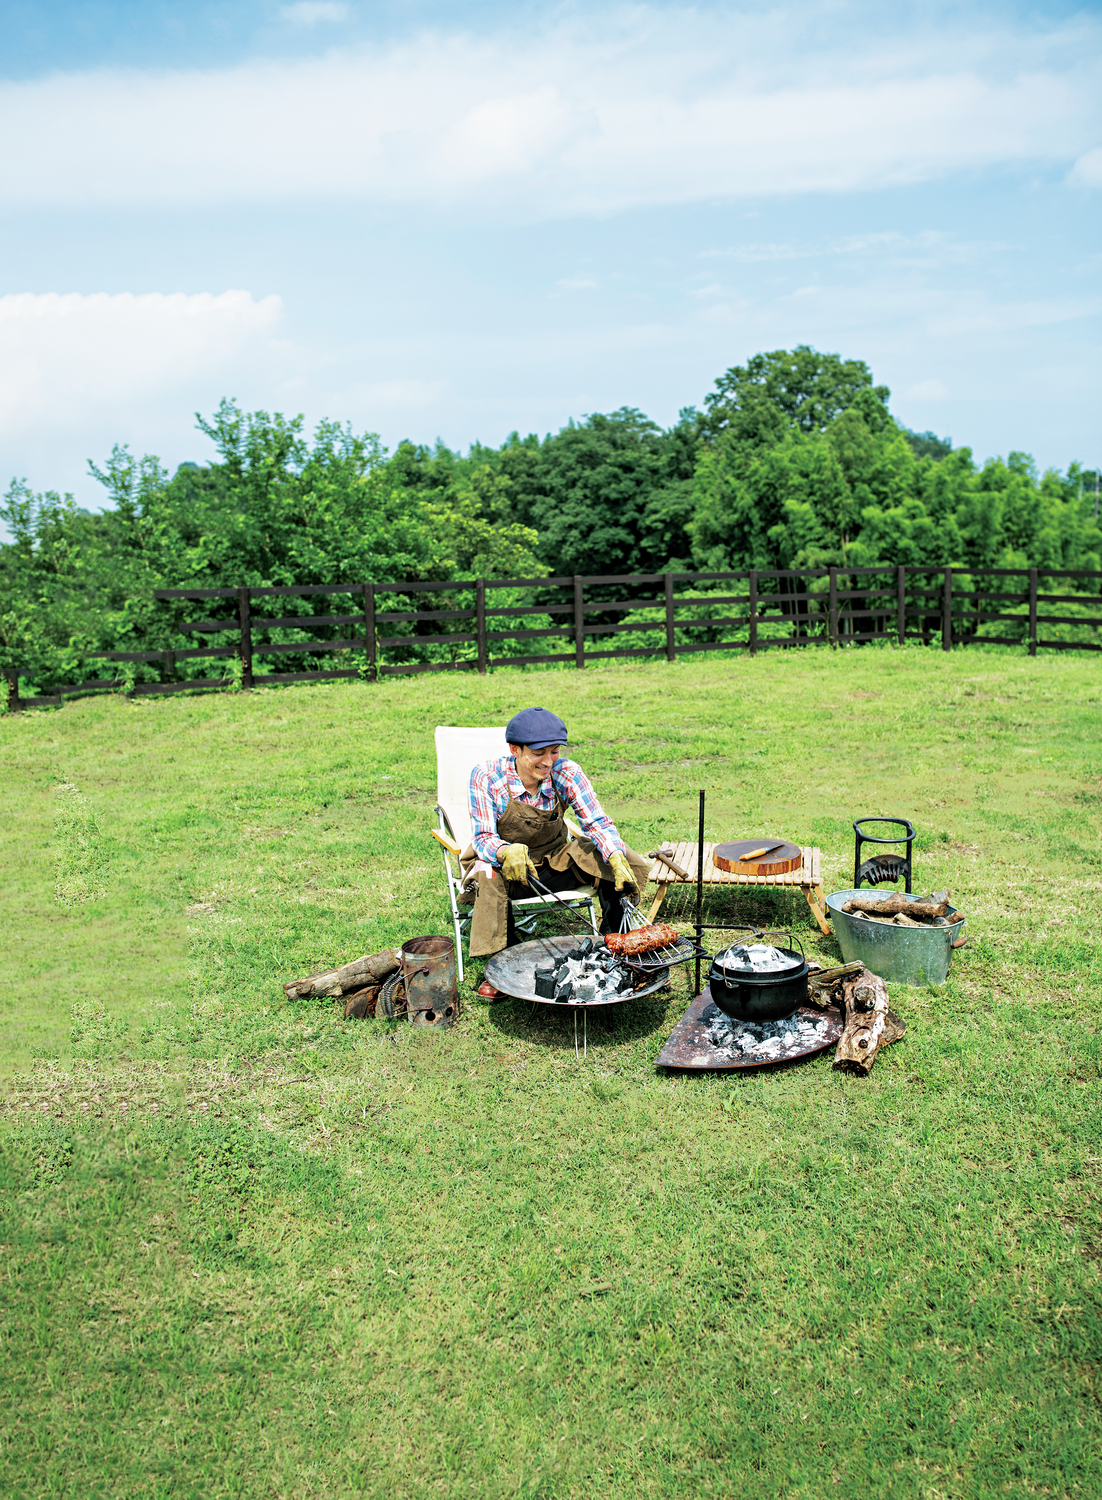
[(641, 939)]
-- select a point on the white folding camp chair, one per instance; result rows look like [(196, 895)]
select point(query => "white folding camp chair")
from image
[(458, 751)]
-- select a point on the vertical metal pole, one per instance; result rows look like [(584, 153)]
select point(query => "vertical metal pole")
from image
[(947, 613), (671, 651), (1033, 611), (579, 623), (834, 608), (753, 611), (12, 675), (699, 881), (480, 618), (245, 619), (901, 602), (369, 633)]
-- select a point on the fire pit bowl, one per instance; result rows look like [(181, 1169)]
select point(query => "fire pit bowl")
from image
[(749, 994), (901, 955)]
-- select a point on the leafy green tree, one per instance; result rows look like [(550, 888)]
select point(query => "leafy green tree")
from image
[(927, 444), (797, 390), (604, 494)]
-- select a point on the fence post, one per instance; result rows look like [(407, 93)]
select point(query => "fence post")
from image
[(1033, 611), (245, 618), (480, 621), (369, 633), (671, 651), (12, 676), (901, 603), (753, 611), (170, 666), (579, 623), (947, 613), (834, 608)]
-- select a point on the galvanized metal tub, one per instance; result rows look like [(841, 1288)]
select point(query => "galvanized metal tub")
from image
[(901, 955)]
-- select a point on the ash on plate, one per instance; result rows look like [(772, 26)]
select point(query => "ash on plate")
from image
[(767, 1040)]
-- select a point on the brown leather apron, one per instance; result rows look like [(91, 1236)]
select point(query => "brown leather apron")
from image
[(549, 841)]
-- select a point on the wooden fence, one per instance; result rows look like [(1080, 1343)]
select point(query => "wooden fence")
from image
[(382, 629)]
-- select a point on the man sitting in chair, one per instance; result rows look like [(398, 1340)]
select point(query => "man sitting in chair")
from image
[(518, 821)]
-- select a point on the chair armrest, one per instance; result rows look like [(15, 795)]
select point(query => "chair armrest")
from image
[(449, 844), (573, 828)]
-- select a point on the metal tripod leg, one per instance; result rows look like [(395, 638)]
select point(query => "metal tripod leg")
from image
[(585, 1034)]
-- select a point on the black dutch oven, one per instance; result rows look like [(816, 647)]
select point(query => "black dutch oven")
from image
[(750, 995)]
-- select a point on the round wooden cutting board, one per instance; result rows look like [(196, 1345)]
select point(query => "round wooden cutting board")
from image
[(731, 857)]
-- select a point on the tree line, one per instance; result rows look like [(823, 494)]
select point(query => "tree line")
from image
[(793, 461)]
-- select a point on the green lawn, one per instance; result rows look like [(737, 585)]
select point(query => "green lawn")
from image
[(251, 1249)]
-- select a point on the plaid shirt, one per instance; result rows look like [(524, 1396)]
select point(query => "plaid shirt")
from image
[(496, 781)]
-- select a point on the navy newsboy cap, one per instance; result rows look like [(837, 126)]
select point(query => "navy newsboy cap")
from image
[(537, 727)]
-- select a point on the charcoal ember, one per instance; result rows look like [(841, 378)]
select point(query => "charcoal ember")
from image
[(591, 977), (545, 980)]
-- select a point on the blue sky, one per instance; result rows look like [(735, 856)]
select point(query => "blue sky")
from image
[(435, 220)]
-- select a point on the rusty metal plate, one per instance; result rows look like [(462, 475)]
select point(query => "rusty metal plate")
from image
[(690, 1046), (513, 972), (732, 857)]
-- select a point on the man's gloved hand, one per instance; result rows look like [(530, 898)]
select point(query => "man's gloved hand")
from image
[(516, 863), (622, 871)]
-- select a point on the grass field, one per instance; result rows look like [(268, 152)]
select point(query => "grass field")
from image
[(251, 1249)]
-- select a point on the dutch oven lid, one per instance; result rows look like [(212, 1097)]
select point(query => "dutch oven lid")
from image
[(757, 961)]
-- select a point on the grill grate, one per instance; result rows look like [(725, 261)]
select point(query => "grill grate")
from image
[(658, 958)]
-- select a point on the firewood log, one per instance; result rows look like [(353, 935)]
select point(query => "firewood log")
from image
[(822, 985), (360, 1005), (352, 976), (870, 1025), (936, 905)]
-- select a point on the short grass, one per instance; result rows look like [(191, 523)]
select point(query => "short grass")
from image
[(250, 1249)]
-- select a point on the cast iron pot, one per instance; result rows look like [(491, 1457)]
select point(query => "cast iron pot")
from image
[(759, 997)]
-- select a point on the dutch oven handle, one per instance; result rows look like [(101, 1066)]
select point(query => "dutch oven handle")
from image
[(789, 934)]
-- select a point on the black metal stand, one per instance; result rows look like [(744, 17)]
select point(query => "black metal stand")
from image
[(699, 882), (886, 862)]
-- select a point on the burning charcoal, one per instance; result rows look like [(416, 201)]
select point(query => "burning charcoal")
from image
[(585, 947), (563, 990), (545, 981)]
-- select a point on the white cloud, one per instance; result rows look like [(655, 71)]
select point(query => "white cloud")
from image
[(647, 107), (398, 396), (73, 367), (1087, 171), (927, 390), (310, 12), (929, 248)]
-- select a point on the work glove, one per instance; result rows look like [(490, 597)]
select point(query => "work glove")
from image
[(516, 863), (621, 870)]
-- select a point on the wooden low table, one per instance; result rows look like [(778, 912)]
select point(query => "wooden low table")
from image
[(806, 879)]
